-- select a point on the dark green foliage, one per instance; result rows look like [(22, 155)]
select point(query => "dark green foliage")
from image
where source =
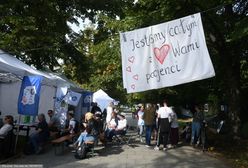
[(244, 130), (36, 30)]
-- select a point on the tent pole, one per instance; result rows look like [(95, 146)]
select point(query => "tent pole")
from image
[(17, 134)]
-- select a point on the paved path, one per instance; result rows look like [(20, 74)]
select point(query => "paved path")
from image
[(125, 156)]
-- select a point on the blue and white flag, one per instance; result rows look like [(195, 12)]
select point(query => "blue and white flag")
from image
[(87, 99), (73, 98), (28, 101)]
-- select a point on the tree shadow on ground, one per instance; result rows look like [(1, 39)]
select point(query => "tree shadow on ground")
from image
[(111, 150), (193, 158)]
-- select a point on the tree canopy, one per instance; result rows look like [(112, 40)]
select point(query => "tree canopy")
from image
[(38, 33)]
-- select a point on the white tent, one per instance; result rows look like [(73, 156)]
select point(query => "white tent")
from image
[(102, 99), (10, 64), (13, 70)]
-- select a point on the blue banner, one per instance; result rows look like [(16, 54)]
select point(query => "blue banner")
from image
[(28, 101), (87, 99)]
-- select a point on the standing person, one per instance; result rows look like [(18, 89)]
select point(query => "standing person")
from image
[(41, 135), (174, 136), (95, 108), (110, 109), (54, 123), (141, 122), (155, 122), (149, 116), (164, 119), (197, 121)]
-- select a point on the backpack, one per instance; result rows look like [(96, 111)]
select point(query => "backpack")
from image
[(81, 152)]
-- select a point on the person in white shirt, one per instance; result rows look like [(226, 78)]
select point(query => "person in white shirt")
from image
[(112, 125), (122, 125), (120, 128), (164, 120), (141, 122), (72, 124), (110, 109), (8, 126)]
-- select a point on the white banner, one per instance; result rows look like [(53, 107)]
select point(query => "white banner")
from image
[(165, 55)]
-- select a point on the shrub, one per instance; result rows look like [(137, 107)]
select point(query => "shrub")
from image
[(244, 130)]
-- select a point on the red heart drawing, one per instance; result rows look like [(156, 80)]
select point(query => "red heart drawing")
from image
[(131, 59), (133, 86), (136, 77), (161, 53), (128, 69)]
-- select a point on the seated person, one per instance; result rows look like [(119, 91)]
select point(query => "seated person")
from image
[(54, 123), (100, 127), (122, 125), (99, 122), (186, 133), (41, 135), (111, 126), (73, 126), (8, 126), (5, 141), (92, 124), (84, 137)]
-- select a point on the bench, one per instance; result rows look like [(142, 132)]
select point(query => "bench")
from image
[(60, 142), (7, 145), (53, 135)]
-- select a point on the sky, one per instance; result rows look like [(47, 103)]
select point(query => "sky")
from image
[(81, 26)]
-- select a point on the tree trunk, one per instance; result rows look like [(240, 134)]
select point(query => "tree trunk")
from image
[(231, 76)]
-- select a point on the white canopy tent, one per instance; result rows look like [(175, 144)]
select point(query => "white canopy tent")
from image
[(102, 99), (10, 64), (13, 70)]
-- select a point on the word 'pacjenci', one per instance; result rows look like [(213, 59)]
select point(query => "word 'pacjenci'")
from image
[(157, 73)]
